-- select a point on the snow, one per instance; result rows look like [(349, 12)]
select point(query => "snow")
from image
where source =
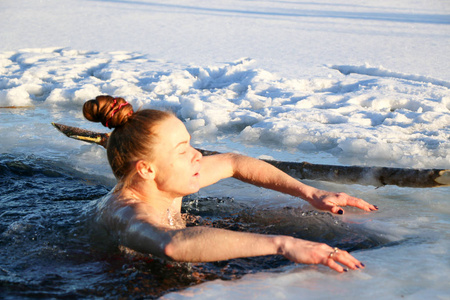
[(371, 116), (345, 81), (287, 37)]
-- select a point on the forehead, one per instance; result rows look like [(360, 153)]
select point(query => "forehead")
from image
[(172, 132)]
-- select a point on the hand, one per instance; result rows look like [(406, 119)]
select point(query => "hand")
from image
[(332, 202), (307, 252)]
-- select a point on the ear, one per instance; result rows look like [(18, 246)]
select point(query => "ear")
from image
[(145, 170)]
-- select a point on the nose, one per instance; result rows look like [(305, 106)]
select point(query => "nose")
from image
[(197, 155)]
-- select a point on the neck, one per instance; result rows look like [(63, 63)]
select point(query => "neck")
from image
[(162, 208)]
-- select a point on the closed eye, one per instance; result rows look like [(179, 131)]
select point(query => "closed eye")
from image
[(183, 149), (183, 146)]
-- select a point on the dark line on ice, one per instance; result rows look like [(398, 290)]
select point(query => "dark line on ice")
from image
[(379, 72), (374, 16)]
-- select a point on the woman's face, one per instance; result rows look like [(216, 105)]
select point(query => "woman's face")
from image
[(176, 163)]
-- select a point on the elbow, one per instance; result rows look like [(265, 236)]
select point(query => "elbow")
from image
[(234, 163), (144, 238), (169, 247), (169, 251), (175, 252)]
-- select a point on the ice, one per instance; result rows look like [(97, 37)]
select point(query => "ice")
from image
[(343, 82), (361, 119), (382, 72)]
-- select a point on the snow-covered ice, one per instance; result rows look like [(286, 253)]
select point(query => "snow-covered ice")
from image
[(372, 116), (344, 82)]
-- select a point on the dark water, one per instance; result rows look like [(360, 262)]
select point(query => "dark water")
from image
[(47, 249)]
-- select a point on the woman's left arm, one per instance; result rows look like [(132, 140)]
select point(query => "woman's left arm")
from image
[(262, 174)]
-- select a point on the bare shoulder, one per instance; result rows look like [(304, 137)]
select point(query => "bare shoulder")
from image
[(117, 211)]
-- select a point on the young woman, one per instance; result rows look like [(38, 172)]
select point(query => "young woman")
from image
[(150, 154)]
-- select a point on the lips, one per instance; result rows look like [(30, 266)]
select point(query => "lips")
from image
[(196, 174)]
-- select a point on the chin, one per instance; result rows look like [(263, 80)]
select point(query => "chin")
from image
[(195, 189)]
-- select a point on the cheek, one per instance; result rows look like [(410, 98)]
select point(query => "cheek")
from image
[(178, 171), (175, 172)]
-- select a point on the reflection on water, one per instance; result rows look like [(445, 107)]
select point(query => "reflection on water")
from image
[(47, 249)]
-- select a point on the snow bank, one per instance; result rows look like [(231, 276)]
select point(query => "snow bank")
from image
[(370, 116)]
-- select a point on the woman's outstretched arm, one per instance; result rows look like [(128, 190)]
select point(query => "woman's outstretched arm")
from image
[(262, 174), (205, 244)]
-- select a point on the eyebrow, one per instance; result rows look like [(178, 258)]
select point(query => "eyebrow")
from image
[(183, 142)]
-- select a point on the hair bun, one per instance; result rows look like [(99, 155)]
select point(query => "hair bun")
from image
[(111, 112)]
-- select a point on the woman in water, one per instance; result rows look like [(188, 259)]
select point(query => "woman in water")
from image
[(150, 154)]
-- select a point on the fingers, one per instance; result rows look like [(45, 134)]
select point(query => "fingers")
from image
[(361, 204), (337, 258), (333, 208), (307, 252), (333, 202), (343, 199), (337, 210)]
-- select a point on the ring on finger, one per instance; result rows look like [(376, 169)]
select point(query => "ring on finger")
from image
[(333, 253)]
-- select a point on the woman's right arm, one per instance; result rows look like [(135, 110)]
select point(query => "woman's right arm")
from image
[(205, 244)]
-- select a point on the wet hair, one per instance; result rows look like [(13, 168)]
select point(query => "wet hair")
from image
[(133, 137)]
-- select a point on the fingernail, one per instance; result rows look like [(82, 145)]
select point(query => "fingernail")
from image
[(363, 265), (358, 267), (341, 212), (345, 270)]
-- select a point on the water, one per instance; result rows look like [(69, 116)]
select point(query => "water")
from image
[(48, 249)]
